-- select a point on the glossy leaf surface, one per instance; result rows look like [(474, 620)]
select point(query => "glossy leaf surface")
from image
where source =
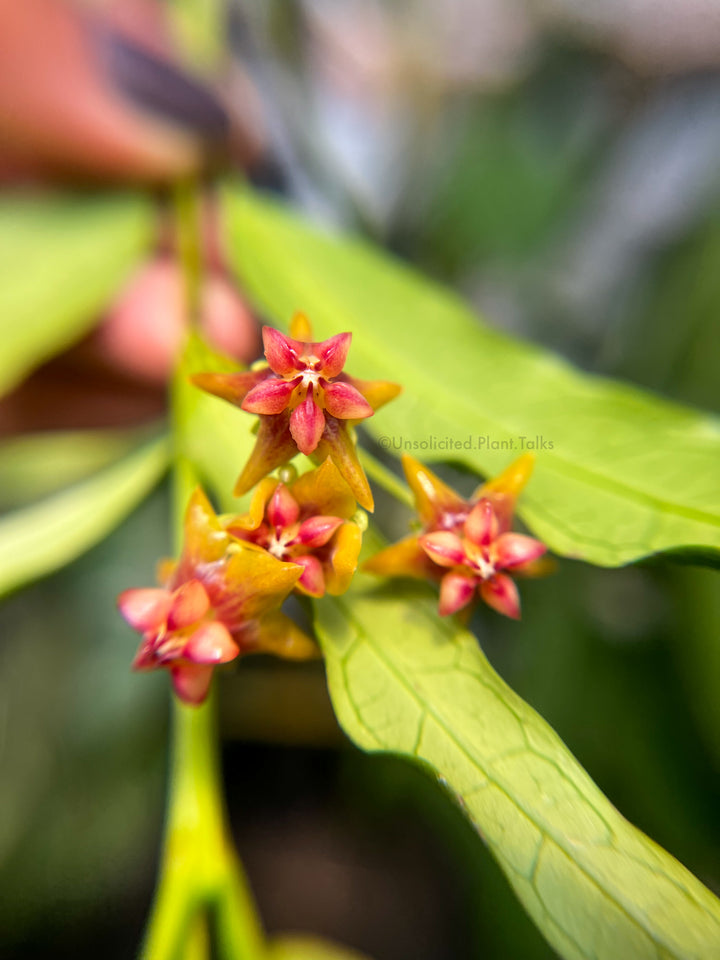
[(621, 474), (402, 681)]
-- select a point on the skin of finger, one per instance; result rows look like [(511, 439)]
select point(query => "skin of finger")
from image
[(145, 328), (59, 113)]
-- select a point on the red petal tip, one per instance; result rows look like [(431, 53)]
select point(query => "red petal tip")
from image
[(190, 603), (307, 423), (283, 509), (312, 580), (191, 682), (500, 593), (280, 351), (316, 531), (444, 548), (145, 608), (456, 592), (333, 353), (343, 401), (269, 397), (513, 549), (481, 526), (210, 644)]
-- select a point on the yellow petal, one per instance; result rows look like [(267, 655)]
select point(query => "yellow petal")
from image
[(300, 328), (406, 558), (336, 443), (511, 481), (274, 447), (343, 558), (433, 497), (205, 540), (376, 392), (254, 582), (504, 489), (278, 634), (254, 517), (232, 387), (164, 571), (324, 492), (542, 567)]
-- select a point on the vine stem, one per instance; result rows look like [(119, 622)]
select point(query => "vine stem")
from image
[(385, 477), (202, 905), (201, 884)]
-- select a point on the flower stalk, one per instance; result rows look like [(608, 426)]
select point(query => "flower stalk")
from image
[(202, 905), (201, 881)]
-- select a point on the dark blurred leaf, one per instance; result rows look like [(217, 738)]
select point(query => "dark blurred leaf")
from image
[(674, 344), (697, 648), (620, 474), (62, 258), (81, 755), (403, 681), (41, 538), (506, 186)]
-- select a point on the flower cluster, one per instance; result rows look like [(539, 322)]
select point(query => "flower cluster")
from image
[(466, 544), (222, 598), (306, 402), (307, 522)]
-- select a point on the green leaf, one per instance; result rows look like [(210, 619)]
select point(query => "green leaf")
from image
[(403, 681), (309, 948), (212, 434), (62, 257), (41, 538), (620, 474), (35, 465)]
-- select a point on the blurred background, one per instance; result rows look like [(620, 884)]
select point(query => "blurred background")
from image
[(553, 160)]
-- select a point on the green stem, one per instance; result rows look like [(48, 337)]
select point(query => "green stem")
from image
[(202, 904), (200, 876), (188, 214), (378, 472)]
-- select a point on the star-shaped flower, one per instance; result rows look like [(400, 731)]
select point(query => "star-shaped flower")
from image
[(306, 522), (466, 544), (305, 402), (220, 600)]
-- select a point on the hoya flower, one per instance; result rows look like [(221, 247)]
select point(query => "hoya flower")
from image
[(467, 545), (305, 402), (220, 600), (306, 522)]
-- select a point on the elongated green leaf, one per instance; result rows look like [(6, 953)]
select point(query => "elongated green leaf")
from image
[(309, 948), (62, 257), (403, 681), (620, 474), (38, 539), (35, 465)]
